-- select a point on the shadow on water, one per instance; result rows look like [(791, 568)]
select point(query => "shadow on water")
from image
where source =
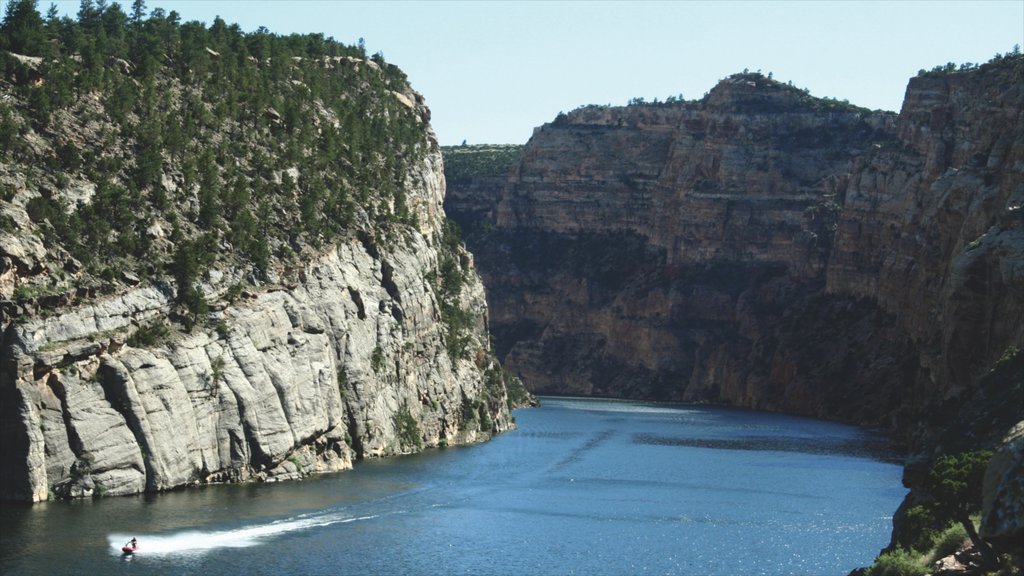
[(576, 454), (858, 448)]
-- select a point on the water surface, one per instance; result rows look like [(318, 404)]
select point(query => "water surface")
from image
[(582, 487)]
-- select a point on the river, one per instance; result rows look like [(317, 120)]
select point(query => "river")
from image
[(581, 487)]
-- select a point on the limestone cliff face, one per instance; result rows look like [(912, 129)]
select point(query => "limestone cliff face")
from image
[(293, 381), (336, 351)]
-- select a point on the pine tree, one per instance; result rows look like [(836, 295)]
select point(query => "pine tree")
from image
[(955, 484), (138, 12), (22, 29)]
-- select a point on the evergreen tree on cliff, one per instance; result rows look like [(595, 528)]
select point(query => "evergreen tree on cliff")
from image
[(22, 29), (955, 483)]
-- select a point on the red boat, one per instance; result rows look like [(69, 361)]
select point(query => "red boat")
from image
[(129, 548)]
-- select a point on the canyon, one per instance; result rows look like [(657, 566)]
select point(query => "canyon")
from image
[(766, 249), (225, 257)]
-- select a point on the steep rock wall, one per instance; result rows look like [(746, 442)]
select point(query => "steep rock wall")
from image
[(752, 246), (343, 356), (931, 229), (291, 382), (679, 252)]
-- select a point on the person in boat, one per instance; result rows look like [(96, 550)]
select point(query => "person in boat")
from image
[(134, 543)]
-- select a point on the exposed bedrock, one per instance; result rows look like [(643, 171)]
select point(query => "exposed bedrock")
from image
[(291, 382)]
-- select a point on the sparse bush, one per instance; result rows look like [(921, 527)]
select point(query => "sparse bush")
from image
[(342, 382), (1009, 354), (949, 541), (408, 429), (919, 524), (223, 331), (147, 336), (468, 413), (898, 562), (377, 359), (486, 424), (518, 395), (216, 370), (462, 163)]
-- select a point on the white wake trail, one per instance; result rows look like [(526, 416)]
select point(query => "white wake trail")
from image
[(201, 541)]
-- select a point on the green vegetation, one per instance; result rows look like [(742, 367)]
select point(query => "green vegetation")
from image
[(919, 523), (497, 376), (24, 292), (216, 370), (408, 429), (947, 517), (640, 101), (447, 285), (955, 484), (1009, 355), (948, 542), (952, 67), (148, 336), (486, 424), (801, 99), (464, 163), (898, 562), (377, 359), (468, 413), (342, 382), (931, 547), (244, 147)]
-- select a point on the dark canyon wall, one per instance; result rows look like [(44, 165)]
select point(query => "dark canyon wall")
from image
[(767, 249)]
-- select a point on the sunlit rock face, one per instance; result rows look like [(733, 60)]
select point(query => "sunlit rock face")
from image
[(299, 380), (344, 357)]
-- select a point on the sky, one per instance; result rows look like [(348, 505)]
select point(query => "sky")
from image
[(491, 71)]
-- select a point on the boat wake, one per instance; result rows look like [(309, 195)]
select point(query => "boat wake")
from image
[(201, 541)]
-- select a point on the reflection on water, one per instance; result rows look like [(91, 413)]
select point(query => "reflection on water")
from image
[(584, 486)]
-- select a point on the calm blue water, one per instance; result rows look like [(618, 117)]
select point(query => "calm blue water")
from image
[(582, 487)]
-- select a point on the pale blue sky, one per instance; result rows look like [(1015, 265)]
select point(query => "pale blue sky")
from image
[(492, 71)]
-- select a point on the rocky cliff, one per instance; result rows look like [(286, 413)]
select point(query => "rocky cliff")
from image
[(225, 260), (767, 249), (291, 381), (678, 251)]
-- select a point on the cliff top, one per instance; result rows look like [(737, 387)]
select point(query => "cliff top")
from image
[(138, 149), (753, 92), (743, 93), (464, 162)]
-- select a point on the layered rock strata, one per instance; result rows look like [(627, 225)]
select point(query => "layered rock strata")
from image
[(747, 247), (766, 249), (667, 251)]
